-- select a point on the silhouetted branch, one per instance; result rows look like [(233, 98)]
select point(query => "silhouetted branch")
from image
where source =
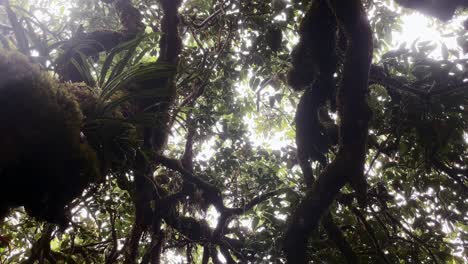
[(259, 199), (371, 233), (212, 193), (354, 113), (456, 174), (336, 235)]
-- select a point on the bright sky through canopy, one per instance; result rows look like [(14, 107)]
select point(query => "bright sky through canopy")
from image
[(417, 26), (244, 136), (414, 27)]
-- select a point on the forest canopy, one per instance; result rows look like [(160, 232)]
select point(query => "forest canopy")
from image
[(222, 131)]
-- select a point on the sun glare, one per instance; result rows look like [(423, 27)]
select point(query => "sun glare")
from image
[(418, 27)]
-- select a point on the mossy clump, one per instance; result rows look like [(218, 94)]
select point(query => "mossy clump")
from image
[(314, 57), (115, 141), (85, 96), (44, 163)]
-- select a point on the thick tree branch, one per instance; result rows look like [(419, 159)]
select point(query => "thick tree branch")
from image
[(187, 157), (153, 252), (131, 246), (154, 139), (227, 255), (257, 200), (22, 41), (170, 43), (211, 192), (41, 248), (354, 115), (199, 231)]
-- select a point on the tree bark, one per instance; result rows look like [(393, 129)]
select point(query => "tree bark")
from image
[(354, 114)]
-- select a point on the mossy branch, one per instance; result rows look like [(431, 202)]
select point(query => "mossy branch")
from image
[(354, 116)]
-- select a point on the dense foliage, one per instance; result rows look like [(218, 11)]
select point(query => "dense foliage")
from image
[(176, 138)]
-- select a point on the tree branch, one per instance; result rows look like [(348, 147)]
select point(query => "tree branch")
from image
[(457, 175), (22, 41), (211, 192), (354, 114), (336, 235), (371, 233), (259, 199)]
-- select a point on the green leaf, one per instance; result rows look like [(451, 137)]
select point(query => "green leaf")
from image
[(136, 74), (146, 93), (128, 46), (83, 68), (255, 223)]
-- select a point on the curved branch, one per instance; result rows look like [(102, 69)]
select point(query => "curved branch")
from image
[(208, 19), (259, 199), (354, 113), (211, 192)]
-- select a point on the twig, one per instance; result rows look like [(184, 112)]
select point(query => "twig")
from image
[(371, 233)]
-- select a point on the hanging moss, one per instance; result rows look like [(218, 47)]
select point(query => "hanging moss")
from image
[(44, 164)]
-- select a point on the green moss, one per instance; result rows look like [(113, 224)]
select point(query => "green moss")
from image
[(43, 163), (85, 96), (115, 142)]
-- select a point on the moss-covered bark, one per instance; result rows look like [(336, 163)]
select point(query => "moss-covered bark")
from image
[(43, 162), (354, 115)]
